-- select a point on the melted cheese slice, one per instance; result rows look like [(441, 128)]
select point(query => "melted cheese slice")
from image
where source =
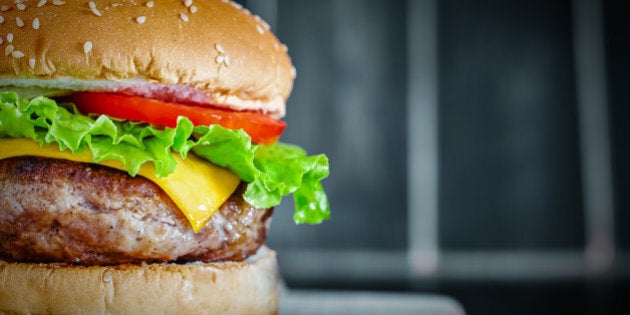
[(196, 186)]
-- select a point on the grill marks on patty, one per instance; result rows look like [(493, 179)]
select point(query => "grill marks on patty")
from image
[(63, 211)]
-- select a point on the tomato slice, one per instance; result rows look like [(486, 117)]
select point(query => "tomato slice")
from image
[(261, 128)]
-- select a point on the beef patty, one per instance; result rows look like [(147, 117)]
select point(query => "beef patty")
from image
[(63, 211)]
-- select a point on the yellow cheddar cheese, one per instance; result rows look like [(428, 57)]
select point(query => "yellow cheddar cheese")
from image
[(196, 186)]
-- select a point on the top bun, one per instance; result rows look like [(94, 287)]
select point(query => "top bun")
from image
[(205, 52)]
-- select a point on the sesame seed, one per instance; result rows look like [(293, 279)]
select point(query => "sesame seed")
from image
[(226, 60), (19, 21), (36, 23), (21, 6), (141, 19), (41, 3), (17, 54), (5, 8), (184, 17), (8, 50), (260, 29), (58, 2), (18, 1), (219, 48), (10, 37), (264, 24), (187, 3), (87, 47), (150, 4), (1, 19), (293, 72), (113, 5), (31, 63), (1, 40), (219, 59), (285, 48), (193, 9), (92, 6)]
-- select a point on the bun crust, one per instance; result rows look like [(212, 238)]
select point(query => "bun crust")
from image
[(250, 287), (211, 52)]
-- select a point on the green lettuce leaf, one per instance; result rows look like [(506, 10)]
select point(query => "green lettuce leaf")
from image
[(271, 171)]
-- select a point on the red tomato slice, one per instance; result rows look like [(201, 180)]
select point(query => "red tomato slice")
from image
[(261, 128)]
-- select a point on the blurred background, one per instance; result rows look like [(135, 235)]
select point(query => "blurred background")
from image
[(478, 150)]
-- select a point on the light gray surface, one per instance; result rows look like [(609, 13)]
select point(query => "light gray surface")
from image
[(302, 302)]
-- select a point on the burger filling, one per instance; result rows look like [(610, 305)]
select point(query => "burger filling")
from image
[(185, 162)]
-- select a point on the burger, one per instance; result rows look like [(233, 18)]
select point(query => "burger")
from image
[(139, 157)]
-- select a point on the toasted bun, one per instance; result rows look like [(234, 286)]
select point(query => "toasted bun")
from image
[(250, 287), (209, 52)]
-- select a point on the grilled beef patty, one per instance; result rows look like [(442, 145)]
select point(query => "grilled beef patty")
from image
[(70, 212)]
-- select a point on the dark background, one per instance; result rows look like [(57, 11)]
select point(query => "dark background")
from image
[(509, 151)]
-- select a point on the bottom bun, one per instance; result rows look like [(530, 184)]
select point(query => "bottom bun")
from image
[(248, 287)]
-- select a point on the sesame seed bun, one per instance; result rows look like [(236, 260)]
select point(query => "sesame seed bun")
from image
[(249, 287), (205, 52)]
